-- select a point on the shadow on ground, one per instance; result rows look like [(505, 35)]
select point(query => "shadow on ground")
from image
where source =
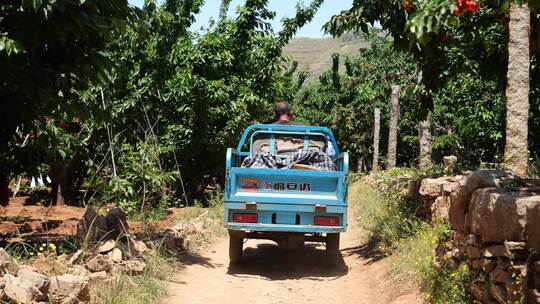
[(185, 259), (274, 263), (366, 252)]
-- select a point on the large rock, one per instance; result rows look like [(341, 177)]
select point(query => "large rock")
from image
[(69, 289), (496, 214), (117, 223), (433, 187), (533, 227), (27, 287), (91, 228), (94, 228), (7, 263), (459, 200)]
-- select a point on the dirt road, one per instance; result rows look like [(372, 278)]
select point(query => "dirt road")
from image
[(269, 274)]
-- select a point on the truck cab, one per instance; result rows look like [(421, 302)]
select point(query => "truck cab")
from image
[(290, 205)]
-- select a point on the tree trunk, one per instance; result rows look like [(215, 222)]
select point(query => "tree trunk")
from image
[(392, 132), (424, 135), (4, 190), (517, 89), (376, 131)]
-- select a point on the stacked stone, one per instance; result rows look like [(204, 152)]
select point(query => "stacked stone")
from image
[(434, 199), (496, 230)]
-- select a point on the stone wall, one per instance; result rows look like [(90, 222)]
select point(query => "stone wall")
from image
[(495, 219)]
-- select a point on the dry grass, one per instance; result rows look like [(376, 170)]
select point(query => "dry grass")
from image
[(146, 288)]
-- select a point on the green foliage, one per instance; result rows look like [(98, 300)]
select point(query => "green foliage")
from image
[(345, 101), (194, 92), (47, 49), (141, 186), (385, 215), (469, 116), (442, 280)]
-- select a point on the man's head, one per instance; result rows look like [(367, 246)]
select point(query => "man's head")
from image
[(282, 110)]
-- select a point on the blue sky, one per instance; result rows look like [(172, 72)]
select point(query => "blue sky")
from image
[(283, 8)]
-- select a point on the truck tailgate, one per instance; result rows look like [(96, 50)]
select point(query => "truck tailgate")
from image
[(286, 186)]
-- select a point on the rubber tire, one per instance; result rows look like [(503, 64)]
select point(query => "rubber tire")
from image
[(236, 246), (332, 249)]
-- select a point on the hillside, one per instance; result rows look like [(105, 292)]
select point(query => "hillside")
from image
[(316, 53)]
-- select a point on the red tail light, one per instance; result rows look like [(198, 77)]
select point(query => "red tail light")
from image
[(326, 221), (245, 217)]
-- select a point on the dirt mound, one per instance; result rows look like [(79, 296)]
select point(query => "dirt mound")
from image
[(27, 222)]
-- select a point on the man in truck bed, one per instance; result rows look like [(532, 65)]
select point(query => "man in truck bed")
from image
[(283, 114)]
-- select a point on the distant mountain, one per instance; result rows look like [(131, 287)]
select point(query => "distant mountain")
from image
[(316, 53)]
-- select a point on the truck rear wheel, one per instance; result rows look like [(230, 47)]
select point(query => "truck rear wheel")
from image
[(332, 248), (236, 245)]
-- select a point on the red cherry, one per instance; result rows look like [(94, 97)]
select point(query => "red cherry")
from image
[(445, 38), (457, 11), (408, 5), (472, 6)]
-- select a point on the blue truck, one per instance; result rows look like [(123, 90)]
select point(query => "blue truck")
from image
[(292, 205)]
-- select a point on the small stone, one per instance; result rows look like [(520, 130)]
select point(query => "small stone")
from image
[(135, 267), (68, 288), (7, 263), (75, 258), (513, 246), (471, 240), (2, 286), (98, 276), (494, 251), (500, 275), (107, 246), (449, 162), (138, 246), (476, 264), (116, 255), (503, 263), (78, 270), (498, 292), (488, 265), (473, 252), (479, 291), (537, 267), (118, 270), (99, 263)]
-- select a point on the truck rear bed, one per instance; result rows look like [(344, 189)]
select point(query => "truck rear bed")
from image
[(286, 200)]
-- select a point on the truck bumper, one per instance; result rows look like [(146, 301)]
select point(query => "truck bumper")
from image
[(284, 228)]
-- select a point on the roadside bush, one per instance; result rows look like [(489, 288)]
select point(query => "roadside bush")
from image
[(442, 280), (386, 218), (137, 183)]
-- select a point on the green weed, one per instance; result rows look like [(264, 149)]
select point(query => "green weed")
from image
[(388, 220)]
